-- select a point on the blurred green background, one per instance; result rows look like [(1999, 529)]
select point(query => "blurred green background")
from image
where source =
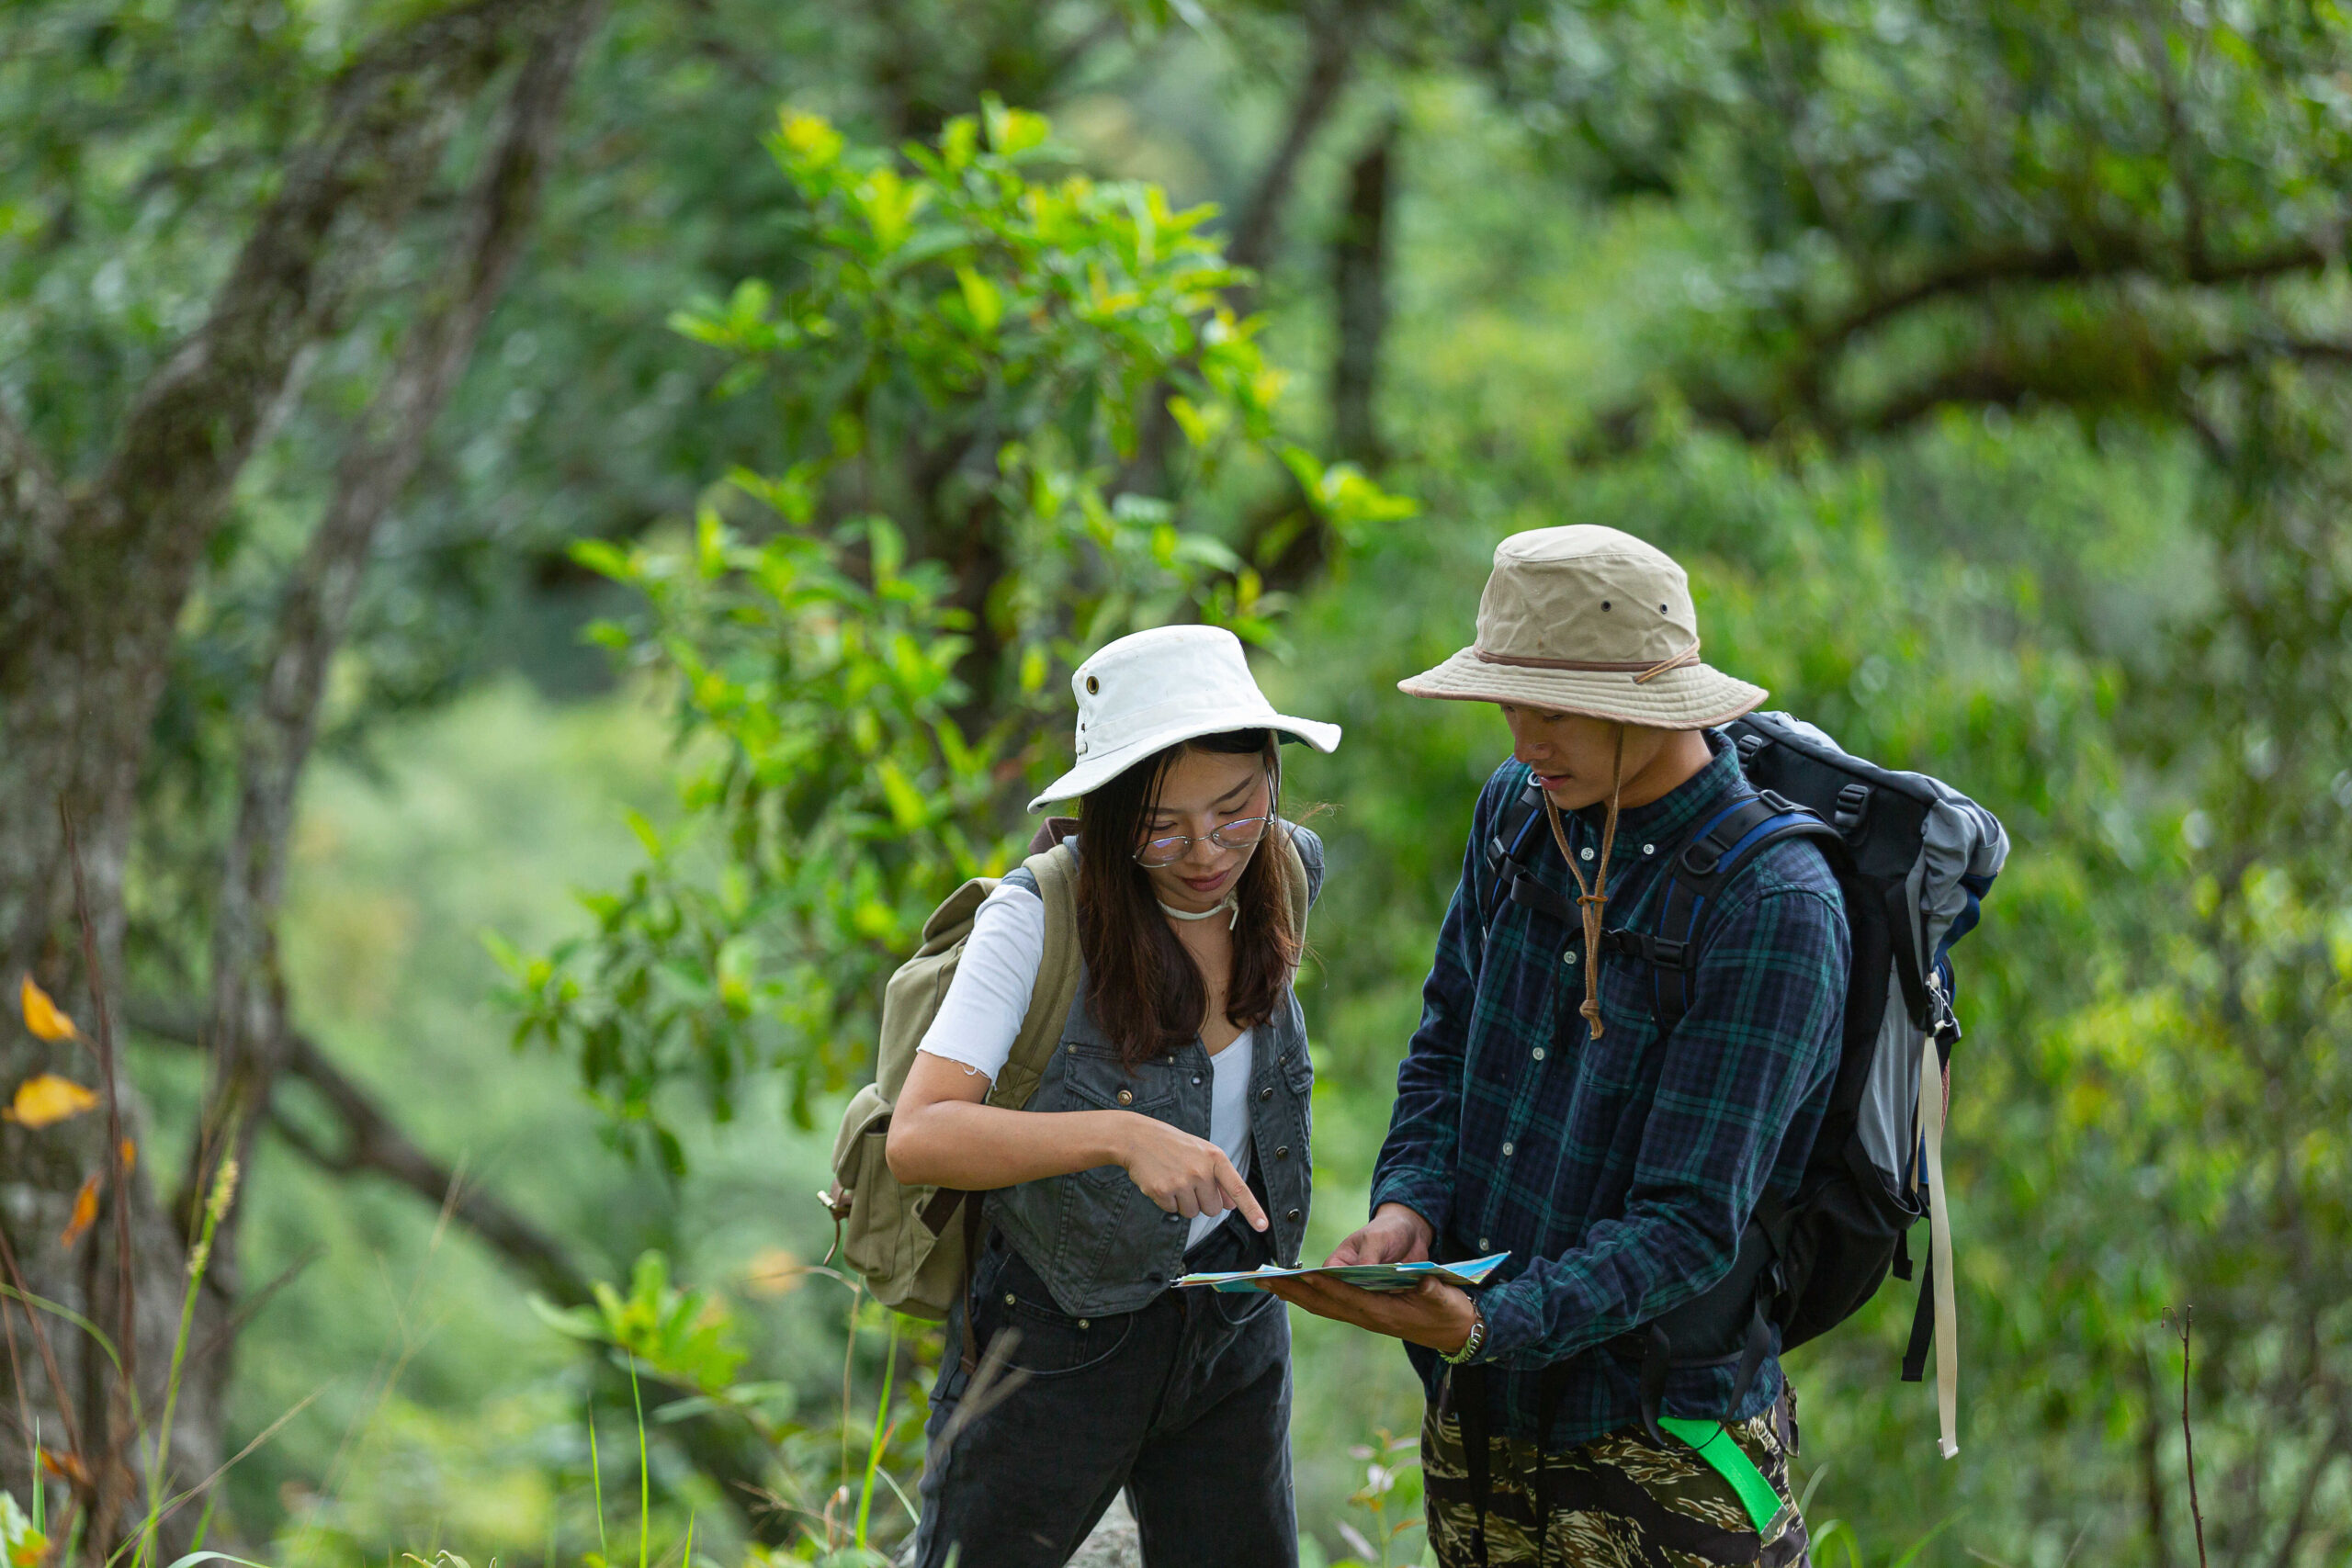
[(1982, 364)]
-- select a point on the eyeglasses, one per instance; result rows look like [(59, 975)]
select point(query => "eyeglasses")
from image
[(1240, 835)]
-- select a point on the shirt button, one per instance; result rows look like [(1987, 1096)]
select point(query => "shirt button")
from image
[(1083, 1324), (1649, 848), (1127, 1096), (1009, 1298), (1283, 1152), (1483, 1244), (1506, 1151), (1568, 957), (1585, 853), (1539, 1053)]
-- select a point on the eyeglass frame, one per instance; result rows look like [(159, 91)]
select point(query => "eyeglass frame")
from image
[(1273, 782)]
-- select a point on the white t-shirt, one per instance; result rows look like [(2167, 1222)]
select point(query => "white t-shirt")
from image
[(981, 1014)]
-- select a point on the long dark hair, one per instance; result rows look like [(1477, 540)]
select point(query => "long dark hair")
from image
[(1145, 990)]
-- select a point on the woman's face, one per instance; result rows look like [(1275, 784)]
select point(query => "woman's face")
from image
[(1203, 791)]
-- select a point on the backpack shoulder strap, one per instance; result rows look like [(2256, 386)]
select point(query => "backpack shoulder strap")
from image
[(1300, 885), (1054, 876), (1509, 849), (1696, 873)]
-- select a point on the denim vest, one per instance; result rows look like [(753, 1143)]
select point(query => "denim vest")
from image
[(1098, 1244)]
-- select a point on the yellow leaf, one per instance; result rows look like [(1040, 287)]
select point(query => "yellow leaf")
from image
[(41, 1015), (45, 1098), (85, 1213)]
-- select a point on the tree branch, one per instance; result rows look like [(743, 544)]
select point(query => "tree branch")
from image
[(371, 1142), (2093, 259), (389, 117), (248, 1008), (1259, 226)]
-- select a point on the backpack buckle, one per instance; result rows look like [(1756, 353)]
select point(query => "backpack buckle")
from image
[(1853, 800), (1748, 744)]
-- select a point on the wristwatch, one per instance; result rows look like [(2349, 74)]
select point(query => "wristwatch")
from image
[(1477, 1337)]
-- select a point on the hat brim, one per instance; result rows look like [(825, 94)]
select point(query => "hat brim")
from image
[(1693, 696), (1097, 771)]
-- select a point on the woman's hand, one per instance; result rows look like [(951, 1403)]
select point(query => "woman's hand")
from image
[(1183, 1174)]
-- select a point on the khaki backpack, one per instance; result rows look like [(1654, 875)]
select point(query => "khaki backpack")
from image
[(903, 1240)]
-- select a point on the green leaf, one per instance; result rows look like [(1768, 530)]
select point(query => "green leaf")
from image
[(981, 299)]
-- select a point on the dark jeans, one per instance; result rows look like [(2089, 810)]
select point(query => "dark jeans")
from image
[(1185, 1403)]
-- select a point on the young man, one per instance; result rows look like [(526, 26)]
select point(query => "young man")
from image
[(1540, 1113)]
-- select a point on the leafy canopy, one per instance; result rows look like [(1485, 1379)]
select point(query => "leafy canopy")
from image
[(860, 644)]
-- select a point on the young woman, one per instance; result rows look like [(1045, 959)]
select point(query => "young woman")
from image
[(1168, 1135)]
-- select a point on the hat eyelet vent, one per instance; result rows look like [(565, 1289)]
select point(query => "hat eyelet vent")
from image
[(1604, 604), (1661, 609), (1094, 685)]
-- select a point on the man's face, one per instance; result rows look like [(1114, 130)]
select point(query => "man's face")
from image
[(1573, 756)]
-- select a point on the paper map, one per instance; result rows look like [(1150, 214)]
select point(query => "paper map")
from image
[(1468, 1275)]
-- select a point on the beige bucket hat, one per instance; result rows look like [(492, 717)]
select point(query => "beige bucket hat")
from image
[(1588, 620)]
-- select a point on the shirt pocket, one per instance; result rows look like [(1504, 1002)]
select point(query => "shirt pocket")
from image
[(1629, 1037)]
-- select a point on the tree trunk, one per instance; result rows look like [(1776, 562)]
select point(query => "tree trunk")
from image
[(248, 1031), (1359, 300), (95, 580)]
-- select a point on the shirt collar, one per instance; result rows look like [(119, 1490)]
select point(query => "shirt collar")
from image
[(1679, 809)]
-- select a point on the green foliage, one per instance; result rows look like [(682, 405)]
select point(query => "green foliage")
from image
[(686, 1336), (967, 363)]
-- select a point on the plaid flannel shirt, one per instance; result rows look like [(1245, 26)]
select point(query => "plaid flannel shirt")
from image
[(1618, 1172)]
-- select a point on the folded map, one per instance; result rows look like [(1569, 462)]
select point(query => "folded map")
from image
[(1468, 1275)]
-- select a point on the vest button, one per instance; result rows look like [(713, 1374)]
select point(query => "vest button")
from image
[(1283, 1152), (1127, 1096), (1196, 1080), (1009, 1299), (1292, 1216), (1083, 1324), (1172, 1216), (1266, 1093)]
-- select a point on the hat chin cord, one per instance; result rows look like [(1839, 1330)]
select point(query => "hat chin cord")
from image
[(1592, 897)]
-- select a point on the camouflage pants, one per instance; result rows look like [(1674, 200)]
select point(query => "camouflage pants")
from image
[(1616, 1502)]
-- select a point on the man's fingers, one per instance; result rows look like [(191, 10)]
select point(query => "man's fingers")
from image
[(1238, 1190), (1347, 1252)]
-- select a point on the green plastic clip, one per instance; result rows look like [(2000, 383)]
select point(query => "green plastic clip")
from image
[(1765, 1509)]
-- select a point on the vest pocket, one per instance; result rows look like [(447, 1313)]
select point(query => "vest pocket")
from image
[(1096, 1079)]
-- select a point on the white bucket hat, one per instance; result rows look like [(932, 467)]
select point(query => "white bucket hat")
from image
[(1148, 691), (1592, 621)]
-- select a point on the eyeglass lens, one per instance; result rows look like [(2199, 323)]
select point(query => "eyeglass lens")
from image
[(1239, 835)]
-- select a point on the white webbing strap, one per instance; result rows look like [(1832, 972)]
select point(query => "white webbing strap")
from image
[(1931, 1125)]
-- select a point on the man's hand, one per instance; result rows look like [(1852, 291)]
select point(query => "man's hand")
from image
[(1432, 1312), (1397, 1234)]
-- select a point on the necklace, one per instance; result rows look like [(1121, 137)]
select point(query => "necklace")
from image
[(1228, 902)]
